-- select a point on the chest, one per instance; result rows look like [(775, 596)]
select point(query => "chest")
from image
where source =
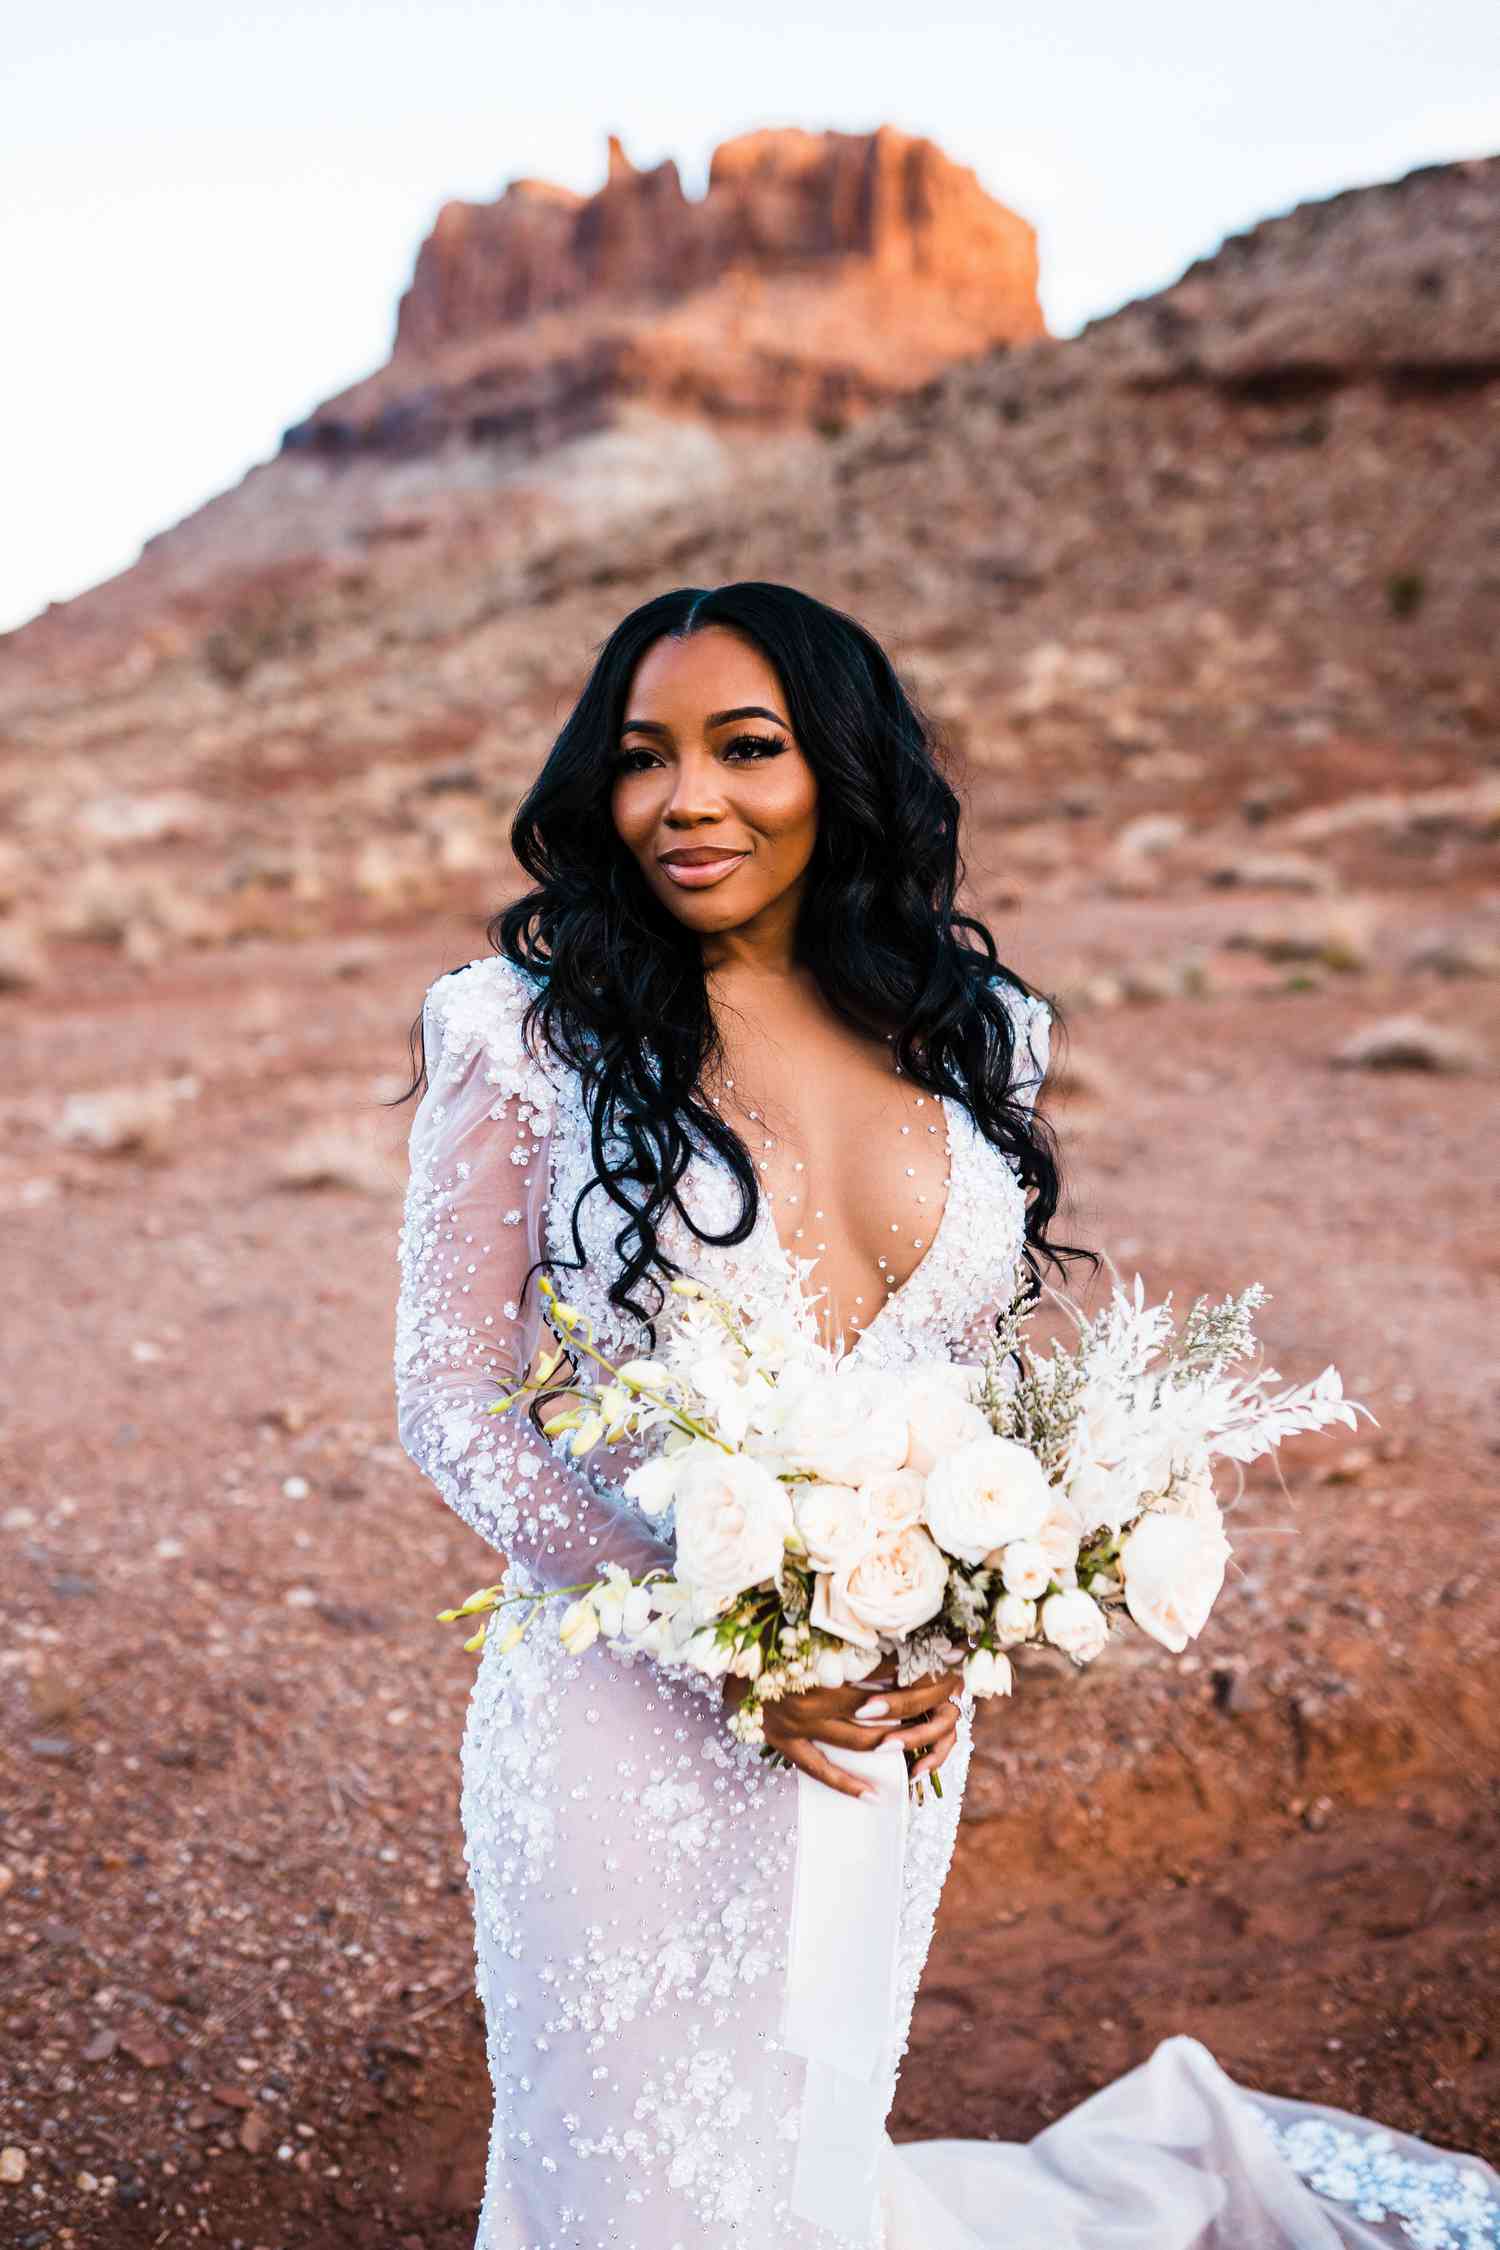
[(906, 1206), (854, 1183)]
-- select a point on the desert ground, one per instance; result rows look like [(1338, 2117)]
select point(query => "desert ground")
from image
[(240, 2001)]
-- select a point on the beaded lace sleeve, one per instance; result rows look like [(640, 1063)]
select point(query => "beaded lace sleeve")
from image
[(468, 1322), (1032, 1020)]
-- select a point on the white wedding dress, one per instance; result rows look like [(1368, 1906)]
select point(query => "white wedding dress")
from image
[(631, 1865)]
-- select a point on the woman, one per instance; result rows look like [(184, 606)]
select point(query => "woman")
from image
[(738, 1029)]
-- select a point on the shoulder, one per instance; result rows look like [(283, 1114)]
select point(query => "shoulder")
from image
[(1029, 1013), (1031, 1024), (474, 1017)]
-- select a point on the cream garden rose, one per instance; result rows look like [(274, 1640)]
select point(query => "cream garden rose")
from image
[(895, 1586), (733, 1518), (1015, 1619), (894, 1499), (982, 1495), (1173, 1567), (834, 1522), (844, 1426), (899, 1583), (939, 1414), (1026, 1568), (1074, 1622), (830, 1613)]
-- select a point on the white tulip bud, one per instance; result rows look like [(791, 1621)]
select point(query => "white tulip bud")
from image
[(987, 1673)]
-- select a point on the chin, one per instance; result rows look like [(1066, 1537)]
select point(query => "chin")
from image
[(711, 910)]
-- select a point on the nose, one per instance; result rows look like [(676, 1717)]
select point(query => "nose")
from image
[(696, 795)]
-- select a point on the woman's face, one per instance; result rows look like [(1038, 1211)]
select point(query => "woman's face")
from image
[(712, 793)]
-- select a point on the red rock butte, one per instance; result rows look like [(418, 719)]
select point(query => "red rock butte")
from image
[(819, 275)]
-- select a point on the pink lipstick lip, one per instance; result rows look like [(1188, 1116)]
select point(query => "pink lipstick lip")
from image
[(696, 874)]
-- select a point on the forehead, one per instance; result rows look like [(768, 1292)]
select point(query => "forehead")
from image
[(708, 671)]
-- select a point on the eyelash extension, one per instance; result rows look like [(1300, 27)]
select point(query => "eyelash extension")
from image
[(767, 745)]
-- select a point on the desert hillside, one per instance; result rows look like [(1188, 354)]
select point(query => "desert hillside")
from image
[(1205, 600)]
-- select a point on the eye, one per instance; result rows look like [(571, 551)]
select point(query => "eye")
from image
[(624, 761), (757, 745)]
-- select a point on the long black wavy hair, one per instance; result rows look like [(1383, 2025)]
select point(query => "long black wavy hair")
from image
[(623, 999)]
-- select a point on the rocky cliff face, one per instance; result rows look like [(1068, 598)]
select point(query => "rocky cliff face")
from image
[(817, 277), (821, 274), (564, 359), (777, 202), (1393, 284)]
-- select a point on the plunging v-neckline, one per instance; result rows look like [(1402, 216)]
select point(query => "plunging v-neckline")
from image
[(793, 1280)]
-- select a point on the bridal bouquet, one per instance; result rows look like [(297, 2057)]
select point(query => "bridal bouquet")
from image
[(829, 1516)]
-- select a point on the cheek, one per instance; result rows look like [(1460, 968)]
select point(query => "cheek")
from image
[(633, 812), (789, 810)]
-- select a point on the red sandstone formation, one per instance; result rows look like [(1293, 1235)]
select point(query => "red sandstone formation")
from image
[(820, 274)]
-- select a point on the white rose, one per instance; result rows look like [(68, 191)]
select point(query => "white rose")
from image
[(986, 1673), (834, 1522), (733, 1517), (1057, 1536), (940, 1416), (898, 1584), (1075, 1623), (984, 1494), (894, 1500), (830, 1613), (843, 1427), (1173, 1568), (1026, 1568), (1015, 1619), (829, 1666)]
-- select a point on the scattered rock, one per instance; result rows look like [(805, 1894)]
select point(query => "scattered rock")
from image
[(331, 1157), (254, 2132), (1337, 937), (12, 2166), (1150, 835), (118, 818), (1272, 871), (146, 2047), (125, 1120), (1455, 957), (22, 961), (1410, 1043)]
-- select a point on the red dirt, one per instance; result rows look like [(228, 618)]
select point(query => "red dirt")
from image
[(239, 1989)]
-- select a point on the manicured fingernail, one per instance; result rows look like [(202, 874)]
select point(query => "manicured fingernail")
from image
[(876, 1709)]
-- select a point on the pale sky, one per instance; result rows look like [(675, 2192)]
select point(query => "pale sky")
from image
[(211, 212)]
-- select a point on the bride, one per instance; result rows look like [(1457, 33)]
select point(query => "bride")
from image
[(739, 1029)]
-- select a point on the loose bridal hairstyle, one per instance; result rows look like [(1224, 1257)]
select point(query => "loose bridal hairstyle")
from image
[(623, 1001)]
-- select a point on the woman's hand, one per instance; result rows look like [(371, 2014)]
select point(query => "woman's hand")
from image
[(922, 1718)]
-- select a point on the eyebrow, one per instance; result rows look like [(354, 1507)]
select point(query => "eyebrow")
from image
[(715, 719)]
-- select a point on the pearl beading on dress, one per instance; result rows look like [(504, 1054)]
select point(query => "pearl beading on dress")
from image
[(790, 1199)]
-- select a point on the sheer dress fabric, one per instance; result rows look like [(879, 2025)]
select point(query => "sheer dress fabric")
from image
[(630, 1865)]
